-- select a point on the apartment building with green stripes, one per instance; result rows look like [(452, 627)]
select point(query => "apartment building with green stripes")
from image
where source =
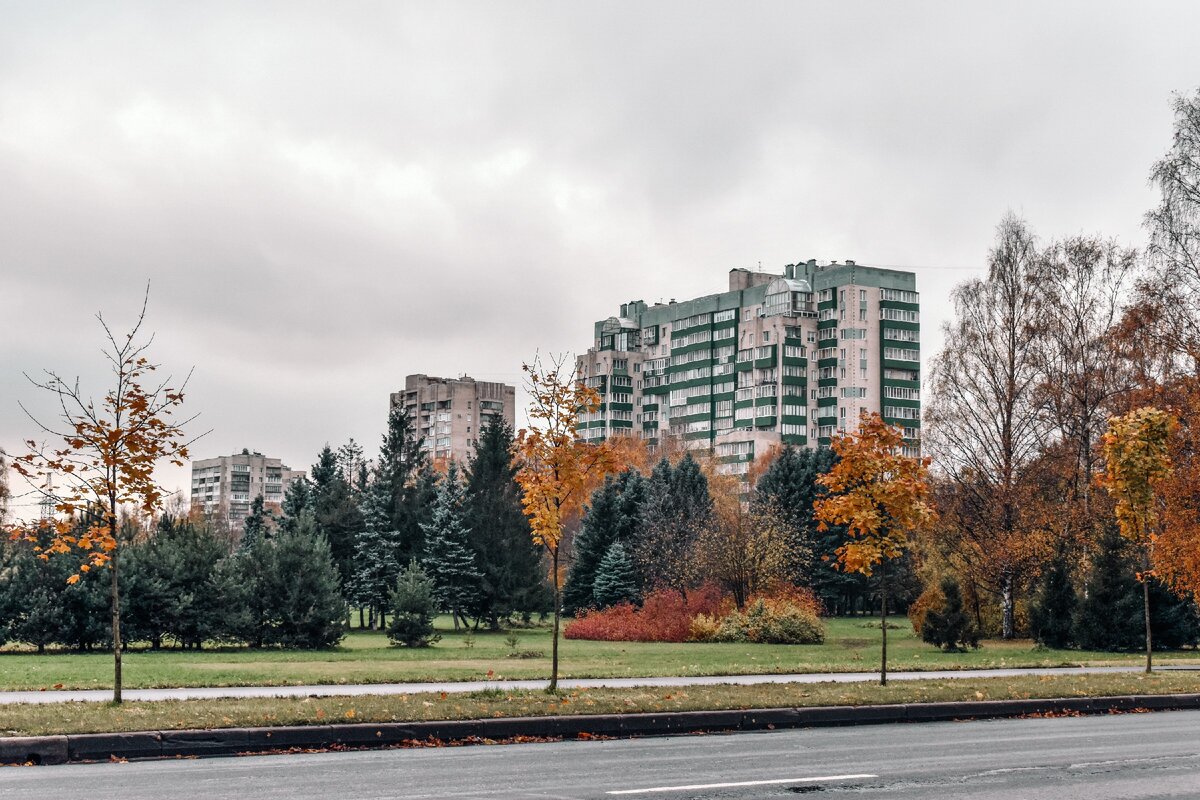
[(778, 358)]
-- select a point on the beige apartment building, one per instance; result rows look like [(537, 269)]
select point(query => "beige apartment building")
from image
[(225, 486), (448, 413), (789, 357)]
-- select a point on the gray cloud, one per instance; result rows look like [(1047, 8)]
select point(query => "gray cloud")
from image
[(327, 197)]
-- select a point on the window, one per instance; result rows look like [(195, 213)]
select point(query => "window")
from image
[(854, 333), (902, 354), (898, 296), (791, 429), (901, 412), (726, 315), (766, 337), (901, 393), (812, 337), (899, 315), (735, 449), (901, 375), (794, 351), (691, 322), (854, 391), (898, 335)]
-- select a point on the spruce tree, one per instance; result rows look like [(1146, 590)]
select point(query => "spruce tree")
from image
[(419, 498), (616, 581), (376, 546), (1051, 614), (598, 532), (513, 578), (256, 525), (790, 485), (302, 589), (335, 511), (950, 627), (1110, 613), (172, 584), (677, 505), (297, 499), (413, 608), (449, 560)]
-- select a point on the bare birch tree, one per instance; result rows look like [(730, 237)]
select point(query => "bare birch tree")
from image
[(984, 428)]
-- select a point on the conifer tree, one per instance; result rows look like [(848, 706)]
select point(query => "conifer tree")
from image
[(1110, 613), (413, 607), (376, 546), (173, 585), (449, 561), (615, 581), (513, 578), (598, 532), (255, 526), (789, 485), (301, 587), (677, 506), (1053, 608), (297, 499), (950, 627), (335, 511)]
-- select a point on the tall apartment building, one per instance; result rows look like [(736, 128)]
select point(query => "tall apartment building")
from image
[(789, 358), (448, 413), (226, 486)]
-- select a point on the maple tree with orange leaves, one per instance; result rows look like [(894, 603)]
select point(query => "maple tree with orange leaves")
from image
[(882, 498), (557, 470), (104, 460)]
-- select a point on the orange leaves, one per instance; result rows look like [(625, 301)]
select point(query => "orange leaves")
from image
[(107, 453), (878, 494), (557, 469)]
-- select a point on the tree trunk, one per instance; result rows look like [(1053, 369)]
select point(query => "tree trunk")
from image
[(1146, 615), (553, 687), (115, 596), (1008, 625), (883, 631), (362, 618)]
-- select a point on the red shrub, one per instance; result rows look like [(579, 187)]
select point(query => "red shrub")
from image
[(663, 617)]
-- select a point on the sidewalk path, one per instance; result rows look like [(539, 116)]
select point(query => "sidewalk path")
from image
[(353, 690)]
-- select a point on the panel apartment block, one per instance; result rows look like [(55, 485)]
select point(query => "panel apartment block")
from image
[(448, 413), (778, 358), (226, 486)]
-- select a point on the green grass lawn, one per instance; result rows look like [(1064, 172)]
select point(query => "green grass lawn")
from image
[(851, 645), (60, 718)]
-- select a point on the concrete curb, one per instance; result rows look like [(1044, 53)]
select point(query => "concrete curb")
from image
[(238, 741)]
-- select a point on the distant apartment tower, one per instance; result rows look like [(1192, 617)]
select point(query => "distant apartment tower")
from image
[(226, 486), (778, 358), (448, 413)]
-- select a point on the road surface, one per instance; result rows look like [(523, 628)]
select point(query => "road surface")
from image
[(1130, 757), (354, 690)]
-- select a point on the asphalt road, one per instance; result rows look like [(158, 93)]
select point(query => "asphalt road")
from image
[(1129, 757), (339, 690)]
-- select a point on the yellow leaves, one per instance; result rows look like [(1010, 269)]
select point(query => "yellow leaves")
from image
[(556, 469), (74, 579), (1137, 459)]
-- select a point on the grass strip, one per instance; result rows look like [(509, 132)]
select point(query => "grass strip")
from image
[(851, 645), (68, 718)]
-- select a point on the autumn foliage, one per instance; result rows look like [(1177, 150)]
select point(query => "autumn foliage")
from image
[(665, 616)]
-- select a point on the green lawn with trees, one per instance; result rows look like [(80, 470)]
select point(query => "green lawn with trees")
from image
[(851, 645)]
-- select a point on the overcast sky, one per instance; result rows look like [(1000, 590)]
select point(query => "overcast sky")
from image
[(327, 197)]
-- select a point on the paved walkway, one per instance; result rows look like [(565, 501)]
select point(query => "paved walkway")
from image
[(352, 690)]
